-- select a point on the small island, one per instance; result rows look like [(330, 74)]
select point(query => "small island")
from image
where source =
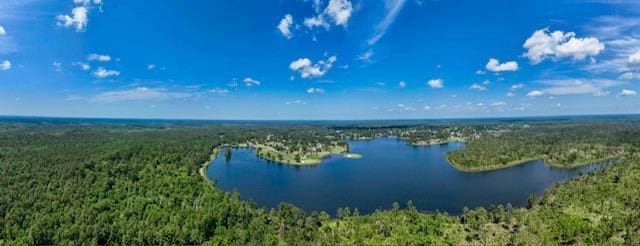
[(352, 156)]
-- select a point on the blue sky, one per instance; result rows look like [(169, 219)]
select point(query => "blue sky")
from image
[(318, 59)]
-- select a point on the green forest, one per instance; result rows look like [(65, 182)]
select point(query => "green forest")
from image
[(97, 183)]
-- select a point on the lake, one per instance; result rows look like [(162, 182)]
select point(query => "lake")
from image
[(389, 171)]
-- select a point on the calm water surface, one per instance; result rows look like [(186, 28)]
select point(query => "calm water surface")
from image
[(390, 171)]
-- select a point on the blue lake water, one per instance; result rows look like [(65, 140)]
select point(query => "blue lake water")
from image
[(390, 171)]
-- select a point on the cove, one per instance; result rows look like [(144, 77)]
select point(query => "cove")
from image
[(389, 171)]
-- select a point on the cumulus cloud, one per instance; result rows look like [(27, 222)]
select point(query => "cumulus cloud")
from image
[(285, 25), (393, 7), (627, 92), (535, 93), (103, 73), (5, 65), (139, 94), (316, 21), (495, 66), (98, 57), (78, 18), (308, 69), (543, 44), (339, 11), (3, 32), (402, 84), (436, 83), (151, 66), (478, 87), (634, 58), (248, 81)]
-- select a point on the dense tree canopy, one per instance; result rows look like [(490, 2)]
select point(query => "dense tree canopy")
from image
[(104, 183)]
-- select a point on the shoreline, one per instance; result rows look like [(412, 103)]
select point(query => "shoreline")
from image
[(203, 168), (292, 162), (436, 143), (523, 161)]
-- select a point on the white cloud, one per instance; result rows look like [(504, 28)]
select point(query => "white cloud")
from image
[(402, 107), (297, 101), (99, 57), (315, 90), (248, 81), (84, 66), (366, 56), (151, 66), (499, 104), (427, 107), (339, 11), (393, 7), (556, 45), (316, 21), (516, 87), (634, 58), (307, 69), (219, 91), (436, 83), (561, 87), (626, 93), (87, 2), (78, 18), (5, 65), (511, 94), (285, 25), (480, 72), (629, 75), (402, 84), (139, 94), (495, 66), (57, 66), (535, 93), (2, 31), (478, 87), (103, 73)]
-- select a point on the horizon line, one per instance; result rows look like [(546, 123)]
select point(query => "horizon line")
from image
[(2, 116)]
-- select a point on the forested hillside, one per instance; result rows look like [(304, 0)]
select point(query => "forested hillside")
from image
[(78, 184)]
